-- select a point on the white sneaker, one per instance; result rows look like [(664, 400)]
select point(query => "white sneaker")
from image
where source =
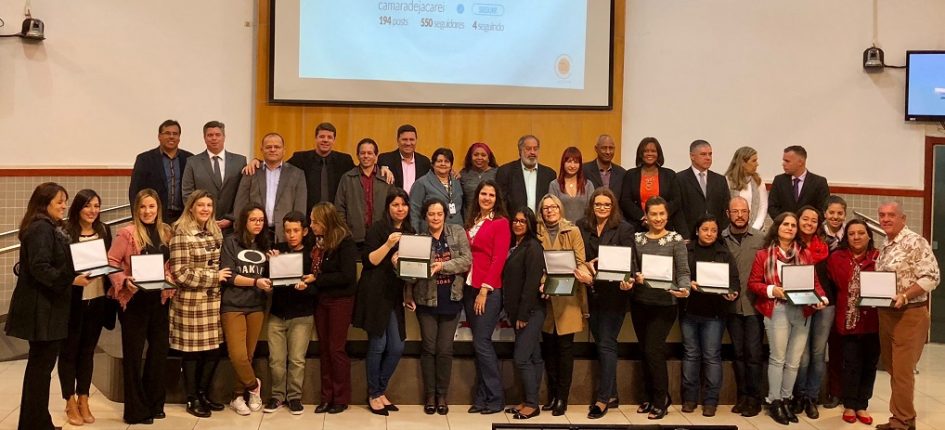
[(238, 405), (255, 400)]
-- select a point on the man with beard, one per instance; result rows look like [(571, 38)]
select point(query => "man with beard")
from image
[(524, 181)]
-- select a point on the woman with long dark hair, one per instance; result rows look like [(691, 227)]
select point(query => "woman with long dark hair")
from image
[(90, 311), (379, 306), (143, 313), (39, 308)]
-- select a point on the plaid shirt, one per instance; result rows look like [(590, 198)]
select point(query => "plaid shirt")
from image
[(195, 309)]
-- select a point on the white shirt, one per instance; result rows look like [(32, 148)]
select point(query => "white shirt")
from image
[(222, 156), (531, 186), (272, 187), (800, 185)]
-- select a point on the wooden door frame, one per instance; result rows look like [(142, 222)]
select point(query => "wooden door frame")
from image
[(930, 143)]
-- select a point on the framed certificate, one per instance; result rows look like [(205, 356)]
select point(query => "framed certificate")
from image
[(148, 272), (286, 269), (559, 273), (878, 289), (712, 277), (414, 257), (798, 283), (657, 270), (90, 257), (614, 263)]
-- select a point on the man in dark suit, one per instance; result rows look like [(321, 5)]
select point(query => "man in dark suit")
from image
[(405, 162), (323, 166), (602, 171), (278, 187), (524, 181), (797, 186), (161, 169), (702, 191), (216, 171)]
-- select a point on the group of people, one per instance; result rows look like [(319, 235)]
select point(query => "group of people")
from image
[(217, 219)]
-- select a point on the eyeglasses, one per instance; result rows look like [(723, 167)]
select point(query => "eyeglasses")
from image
[(519, 221), (550, 208), (256, 220), (603, 205)]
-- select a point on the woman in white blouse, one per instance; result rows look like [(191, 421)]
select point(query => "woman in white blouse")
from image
[(743, 180)]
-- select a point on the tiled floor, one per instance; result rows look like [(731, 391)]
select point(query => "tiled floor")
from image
[(929, 402)]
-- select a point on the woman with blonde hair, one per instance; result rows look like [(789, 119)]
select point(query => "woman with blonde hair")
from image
[(743, 180), (196, 330), (143, 313)]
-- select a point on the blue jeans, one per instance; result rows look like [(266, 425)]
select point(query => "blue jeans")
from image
[(527, 356), (605, 326), (702, 348), (787, 331), (382, 356), (813, 365), (489, 393)]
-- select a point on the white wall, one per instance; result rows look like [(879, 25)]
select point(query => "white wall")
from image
[(109, 72), (769, 74)]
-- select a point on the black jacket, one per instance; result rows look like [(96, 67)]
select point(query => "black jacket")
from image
[(694, 205), (287, 302), (521, 278), (110, 310), (338, 277), (707, 304), (617, 174), (509, 177), (380, 290), (310, 162), (393, 162), (604, 295), (781, 197), (39, 308), (148, 172), (631, 202)]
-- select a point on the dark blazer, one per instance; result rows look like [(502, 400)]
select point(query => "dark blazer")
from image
[(110, 311), (290, 194), (521, 278), (781, 197), (148, 172), (393, 162), (608, 296), (198, 175), (380, 290), (510, 178), (693, 205), (39, 307), (310, 163), (592, 173), (632, 205)]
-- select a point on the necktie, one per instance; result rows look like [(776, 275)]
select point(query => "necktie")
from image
[(702, 182), (324, 180), (797, 189), (217, 176)]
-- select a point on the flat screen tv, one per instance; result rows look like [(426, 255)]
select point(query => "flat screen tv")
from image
[(925, 86)]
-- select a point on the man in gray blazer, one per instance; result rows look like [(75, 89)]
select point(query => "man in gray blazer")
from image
[(216, 171), (602, 171), (279, 187)]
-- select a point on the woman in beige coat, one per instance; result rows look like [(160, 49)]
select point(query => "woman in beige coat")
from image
[(566, 314)]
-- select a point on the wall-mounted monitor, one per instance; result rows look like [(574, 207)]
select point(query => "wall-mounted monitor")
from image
[(495, 53), (925, 86)]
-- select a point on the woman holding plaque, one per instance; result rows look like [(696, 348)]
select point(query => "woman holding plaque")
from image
[(487, 227), (39, 307), (813, 365), (379, 308), (89, 313), (143, 313), (702, 319), (521, 298), (857, 326), (566, 313), (786, 324), (438, 301), (653, 304), (243, 306), (334, 265), (603, 224), (195, 313)]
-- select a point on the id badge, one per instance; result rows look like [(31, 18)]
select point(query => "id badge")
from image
[(452, 208)]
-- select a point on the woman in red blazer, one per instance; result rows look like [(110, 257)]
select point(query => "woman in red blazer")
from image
[(786, 324), (487, 226)]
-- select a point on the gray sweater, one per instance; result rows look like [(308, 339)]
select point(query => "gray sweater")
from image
[(672, 245)]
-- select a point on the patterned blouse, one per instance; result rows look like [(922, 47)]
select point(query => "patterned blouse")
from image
[(910, 256)]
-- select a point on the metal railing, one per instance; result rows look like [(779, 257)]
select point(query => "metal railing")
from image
[(871, 223), (108, 223), (104, 211)]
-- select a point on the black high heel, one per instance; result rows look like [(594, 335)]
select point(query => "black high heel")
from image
[(382, 411), (518, 415), (644, 408)]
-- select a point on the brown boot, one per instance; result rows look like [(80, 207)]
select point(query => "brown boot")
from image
[(84, 409), (72, 412)]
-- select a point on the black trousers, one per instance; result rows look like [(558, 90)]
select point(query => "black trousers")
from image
[(86, 318), (144, 320), (747, 332), (34, 402), (198, 368), (436, 352), (860, 356), (558, 353), (652, 324)]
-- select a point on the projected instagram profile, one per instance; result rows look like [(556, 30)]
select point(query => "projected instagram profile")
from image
[(563, 66)]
